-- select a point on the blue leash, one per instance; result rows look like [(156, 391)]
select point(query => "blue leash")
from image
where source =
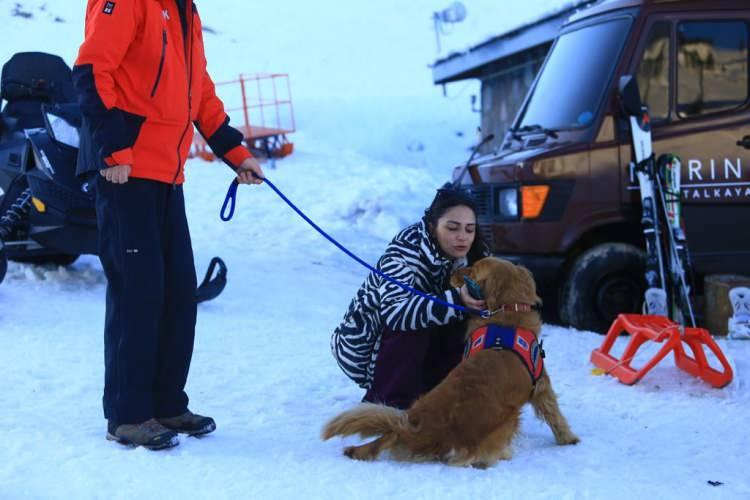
[(230, 202)]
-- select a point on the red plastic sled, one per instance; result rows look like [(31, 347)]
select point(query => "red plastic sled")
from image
[(643, 328)]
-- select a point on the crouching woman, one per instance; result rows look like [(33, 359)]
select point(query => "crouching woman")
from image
[(398, 345)]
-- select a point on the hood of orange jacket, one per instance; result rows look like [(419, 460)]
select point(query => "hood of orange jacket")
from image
[(142, 83)]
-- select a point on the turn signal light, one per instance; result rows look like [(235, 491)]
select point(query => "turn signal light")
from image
[(532, 200), (39, 205)]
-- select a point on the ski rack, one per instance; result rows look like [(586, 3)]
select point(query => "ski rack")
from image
[(643, 328), (655, 326)]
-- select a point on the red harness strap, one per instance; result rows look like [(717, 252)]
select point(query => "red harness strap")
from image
[(518, 340)]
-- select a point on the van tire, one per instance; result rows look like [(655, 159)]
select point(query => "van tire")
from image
[(604, 281)]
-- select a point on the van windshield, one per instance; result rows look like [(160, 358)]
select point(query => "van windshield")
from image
[(573, 79)]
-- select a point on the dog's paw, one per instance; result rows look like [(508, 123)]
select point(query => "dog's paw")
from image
[(568, 439), (358, 453)]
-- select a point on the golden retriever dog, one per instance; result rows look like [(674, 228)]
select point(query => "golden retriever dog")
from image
[(471, 417)]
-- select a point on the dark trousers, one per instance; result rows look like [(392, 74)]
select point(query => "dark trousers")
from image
[(145, 249), (410, 364)]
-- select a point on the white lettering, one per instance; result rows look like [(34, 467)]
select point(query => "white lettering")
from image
[(736, 170), (694, 166), (718, 193), (713, 169)]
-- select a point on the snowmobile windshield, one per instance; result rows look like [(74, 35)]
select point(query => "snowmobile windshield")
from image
[(575, 77)]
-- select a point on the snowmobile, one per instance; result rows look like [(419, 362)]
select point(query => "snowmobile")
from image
[(47, 213)]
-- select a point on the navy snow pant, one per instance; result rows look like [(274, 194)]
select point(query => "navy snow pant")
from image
[(410, 364), (145, 249)]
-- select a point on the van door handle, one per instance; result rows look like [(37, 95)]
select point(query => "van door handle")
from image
[(745, 142)]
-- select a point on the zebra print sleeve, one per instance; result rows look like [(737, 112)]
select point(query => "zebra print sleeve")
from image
[(403, 311)]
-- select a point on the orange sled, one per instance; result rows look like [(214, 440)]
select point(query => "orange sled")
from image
[(643, 328)]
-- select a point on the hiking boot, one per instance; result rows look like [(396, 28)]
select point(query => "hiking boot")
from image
[(189, 423), (149, 434)]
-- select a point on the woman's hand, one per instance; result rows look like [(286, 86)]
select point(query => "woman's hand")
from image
[(470, 301)]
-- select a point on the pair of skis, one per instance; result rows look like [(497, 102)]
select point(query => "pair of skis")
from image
[(667, 257)]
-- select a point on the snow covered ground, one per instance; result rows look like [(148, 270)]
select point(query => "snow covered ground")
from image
[(262, 365)]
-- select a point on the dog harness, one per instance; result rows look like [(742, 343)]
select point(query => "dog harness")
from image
[(520, 341)]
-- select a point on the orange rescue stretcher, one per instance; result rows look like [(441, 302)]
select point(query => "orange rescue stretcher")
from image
[(266, 112), (673, 337)]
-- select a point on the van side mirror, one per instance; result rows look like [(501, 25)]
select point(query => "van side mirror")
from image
[(630, 96)]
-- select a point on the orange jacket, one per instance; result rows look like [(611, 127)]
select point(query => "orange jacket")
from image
[(142, 83)]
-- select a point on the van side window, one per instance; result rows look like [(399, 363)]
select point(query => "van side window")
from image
[(711, 66), (653, 72)]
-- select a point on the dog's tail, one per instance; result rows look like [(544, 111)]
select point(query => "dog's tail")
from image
[(366, 420)]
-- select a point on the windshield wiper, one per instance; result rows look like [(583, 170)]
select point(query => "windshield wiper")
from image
[(534, 128)]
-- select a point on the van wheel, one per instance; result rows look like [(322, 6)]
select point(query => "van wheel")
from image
[(604, 281)]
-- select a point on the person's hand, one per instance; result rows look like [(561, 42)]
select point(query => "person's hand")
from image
[(118, 174), (246, 170), (470, 301)]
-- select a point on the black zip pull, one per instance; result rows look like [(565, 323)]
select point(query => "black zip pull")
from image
[(161, 61)]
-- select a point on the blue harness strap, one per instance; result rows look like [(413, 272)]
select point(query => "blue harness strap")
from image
[(520, 341)]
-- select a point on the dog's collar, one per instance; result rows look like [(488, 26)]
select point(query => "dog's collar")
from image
[(518, 307)]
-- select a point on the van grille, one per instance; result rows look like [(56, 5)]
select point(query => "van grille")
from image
[(481, 195), (483, 199)]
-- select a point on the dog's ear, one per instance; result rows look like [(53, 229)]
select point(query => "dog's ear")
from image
[(457, 278), (527, 274), (528, 277), (494, 279)]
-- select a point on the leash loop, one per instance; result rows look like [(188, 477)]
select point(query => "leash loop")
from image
[(230, 201)]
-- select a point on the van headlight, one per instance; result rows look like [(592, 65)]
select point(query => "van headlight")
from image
[(62, 131), (507, 202)]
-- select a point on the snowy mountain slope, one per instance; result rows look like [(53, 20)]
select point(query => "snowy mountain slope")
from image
[(359, 71)]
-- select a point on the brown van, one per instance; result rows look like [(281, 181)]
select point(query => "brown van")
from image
[(559, 195)]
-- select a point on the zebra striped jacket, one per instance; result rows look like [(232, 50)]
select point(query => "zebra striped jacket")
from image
[(412, 258)]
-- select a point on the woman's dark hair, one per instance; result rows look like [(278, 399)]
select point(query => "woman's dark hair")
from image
[(447, 197)]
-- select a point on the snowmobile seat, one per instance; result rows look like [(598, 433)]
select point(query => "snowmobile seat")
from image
[(28, 80)]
